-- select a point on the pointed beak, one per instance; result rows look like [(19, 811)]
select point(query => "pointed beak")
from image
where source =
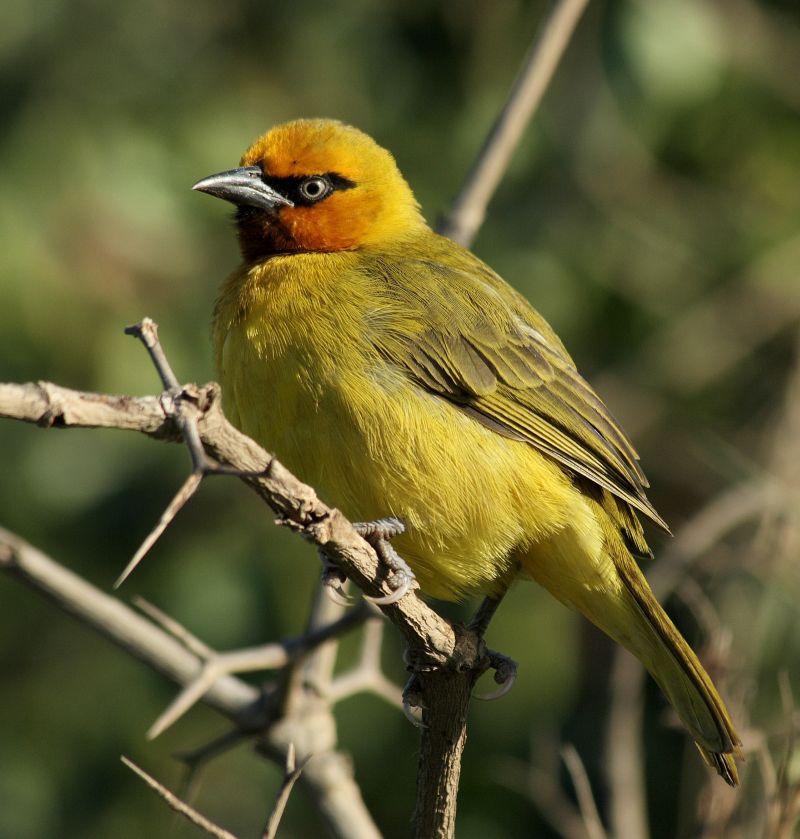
[(244, 186)]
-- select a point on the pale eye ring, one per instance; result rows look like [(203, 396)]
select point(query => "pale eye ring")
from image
[(314, 188)]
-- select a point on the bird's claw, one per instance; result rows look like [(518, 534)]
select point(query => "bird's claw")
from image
[(505, 674), (401, 579), (333, 581), (336, 593), (412, 702)]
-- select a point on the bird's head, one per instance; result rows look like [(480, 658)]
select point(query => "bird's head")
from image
[(315, 185)]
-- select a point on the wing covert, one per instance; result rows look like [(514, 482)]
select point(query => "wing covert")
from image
[(484, 348)]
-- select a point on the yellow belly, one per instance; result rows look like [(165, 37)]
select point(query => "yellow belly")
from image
[(375, 445)]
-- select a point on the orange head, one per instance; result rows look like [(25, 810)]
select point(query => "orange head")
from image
[(315, 185)]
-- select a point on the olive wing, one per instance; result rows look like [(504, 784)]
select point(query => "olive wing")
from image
[(461, 332)]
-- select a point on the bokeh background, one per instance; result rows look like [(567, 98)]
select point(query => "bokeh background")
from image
[(651, 214)]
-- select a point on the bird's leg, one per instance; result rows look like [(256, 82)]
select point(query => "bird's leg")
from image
[(505, 668), (479, 622), (401, 577)]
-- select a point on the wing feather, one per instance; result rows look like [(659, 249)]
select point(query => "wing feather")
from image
[(484, 348)]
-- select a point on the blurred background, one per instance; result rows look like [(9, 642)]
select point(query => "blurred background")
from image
[(651, 214)]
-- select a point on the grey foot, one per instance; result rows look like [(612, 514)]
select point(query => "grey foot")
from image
[(401, 578)]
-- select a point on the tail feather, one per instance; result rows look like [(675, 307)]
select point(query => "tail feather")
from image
[(602, 580), (725, 764), (681, 677)]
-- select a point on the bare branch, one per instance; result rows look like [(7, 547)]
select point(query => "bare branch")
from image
[(306, 718), (196, 757), (367, 675), (177, 805), (265, 657), (129, 630), (296, 503), (147, 332), (53, 406), (329, 780), (468, 209)]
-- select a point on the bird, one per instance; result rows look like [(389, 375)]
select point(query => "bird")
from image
[(399, 375)]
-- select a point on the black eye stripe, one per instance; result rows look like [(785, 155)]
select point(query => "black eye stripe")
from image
[(339, 181), (290, 186)]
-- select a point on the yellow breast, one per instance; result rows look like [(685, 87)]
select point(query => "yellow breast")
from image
[(301, 376)]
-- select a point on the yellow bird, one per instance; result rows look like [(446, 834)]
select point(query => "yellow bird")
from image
[(400, 376)]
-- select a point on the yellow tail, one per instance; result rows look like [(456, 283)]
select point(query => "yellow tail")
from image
[(687, 686), (608, 587)]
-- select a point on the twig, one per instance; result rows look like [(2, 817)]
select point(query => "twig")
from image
[(367, 675), (196, 757), (51, 406), (306, 717), (624, 749), (147, 332), (468, 208), (583, 792), (122, 625), (538, 779), (179, 806), (265, 657), (293, 772), (202, 466)]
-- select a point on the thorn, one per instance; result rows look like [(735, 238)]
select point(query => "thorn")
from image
[(181, 497)]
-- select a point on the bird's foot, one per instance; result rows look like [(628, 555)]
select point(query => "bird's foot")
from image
[(505, 674), (401, 578)]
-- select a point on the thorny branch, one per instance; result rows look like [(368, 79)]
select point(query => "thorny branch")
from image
[(437, 649), (328, 779), (296, 503)]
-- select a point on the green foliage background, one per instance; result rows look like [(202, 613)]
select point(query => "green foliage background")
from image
[(651, 214)]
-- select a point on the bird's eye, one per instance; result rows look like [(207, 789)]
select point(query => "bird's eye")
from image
[(315, 188)]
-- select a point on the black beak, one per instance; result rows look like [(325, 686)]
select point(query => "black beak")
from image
[(244, 186)]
